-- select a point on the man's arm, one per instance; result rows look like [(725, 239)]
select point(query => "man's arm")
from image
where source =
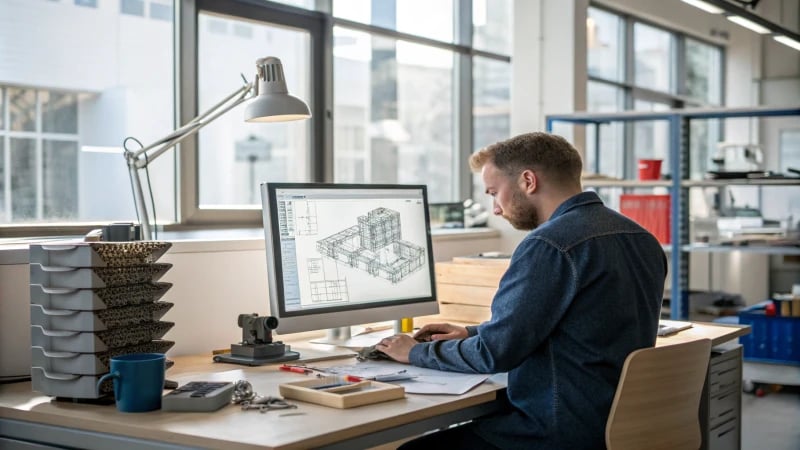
[(533, 295)]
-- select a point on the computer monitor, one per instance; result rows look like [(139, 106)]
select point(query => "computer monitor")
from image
[(347, 254)]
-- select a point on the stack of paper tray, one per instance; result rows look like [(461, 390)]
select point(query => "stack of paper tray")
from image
[(90, 302)]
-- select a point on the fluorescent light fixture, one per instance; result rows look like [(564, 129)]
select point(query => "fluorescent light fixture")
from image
[(749, 24), (707, 7), (788, 42)]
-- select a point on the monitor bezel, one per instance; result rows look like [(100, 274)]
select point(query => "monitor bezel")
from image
[(338, 316)]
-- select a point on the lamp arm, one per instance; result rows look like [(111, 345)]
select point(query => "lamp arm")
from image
[(189, 129), (140, 159)]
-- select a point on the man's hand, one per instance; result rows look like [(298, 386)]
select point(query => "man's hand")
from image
[(397, 347), (440, 332)]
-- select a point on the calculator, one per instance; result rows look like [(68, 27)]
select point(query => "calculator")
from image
[(198, 396)]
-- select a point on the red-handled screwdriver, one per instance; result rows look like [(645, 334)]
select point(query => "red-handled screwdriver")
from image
[(295, 369)]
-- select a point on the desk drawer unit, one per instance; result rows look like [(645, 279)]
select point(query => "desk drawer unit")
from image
[(720, 406)]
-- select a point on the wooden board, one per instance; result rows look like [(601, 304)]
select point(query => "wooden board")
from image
[(470, 274), (347, 396), (464, 313), (465, 295)]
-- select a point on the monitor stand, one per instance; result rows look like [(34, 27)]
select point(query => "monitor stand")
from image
[(334, 336)]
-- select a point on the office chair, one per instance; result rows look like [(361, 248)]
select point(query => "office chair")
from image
[(657, 402)]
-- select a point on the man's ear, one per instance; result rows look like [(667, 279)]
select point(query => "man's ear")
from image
[(529, 181)]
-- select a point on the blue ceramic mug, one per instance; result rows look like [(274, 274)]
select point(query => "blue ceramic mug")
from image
[(138, 381)]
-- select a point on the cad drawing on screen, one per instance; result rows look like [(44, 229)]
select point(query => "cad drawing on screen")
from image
[(347, 254)]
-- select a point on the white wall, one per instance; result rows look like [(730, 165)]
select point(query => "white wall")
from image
[(213, 282)]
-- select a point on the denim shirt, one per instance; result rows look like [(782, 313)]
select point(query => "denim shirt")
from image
[(582, 291)]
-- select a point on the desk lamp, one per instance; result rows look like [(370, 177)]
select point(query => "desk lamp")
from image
[(271, 103)]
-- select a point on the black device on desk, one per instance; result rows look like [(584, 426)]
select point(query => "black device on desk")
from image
[(198, 396), (257, 346)]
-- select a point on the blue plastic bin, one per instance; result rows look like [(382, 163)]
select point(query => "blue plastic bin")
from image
[(772, 338)]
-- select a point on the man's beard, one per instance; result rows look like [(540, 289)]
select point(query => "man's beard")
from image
[(522, 215)]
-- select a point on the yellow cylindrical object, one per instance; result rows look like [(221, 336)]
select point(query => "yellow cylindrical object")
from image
[(406, 324)]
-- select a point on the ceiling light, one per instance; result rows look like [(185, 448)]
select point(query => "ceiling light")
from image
[(788, 41), (707, 7), (749, 24)]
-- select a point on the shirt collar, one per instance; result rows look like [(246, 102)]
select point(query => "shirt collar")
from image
[(582, 199)]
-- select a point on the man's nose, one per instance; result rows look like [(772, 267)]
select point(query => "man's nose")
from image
[(498, 211)]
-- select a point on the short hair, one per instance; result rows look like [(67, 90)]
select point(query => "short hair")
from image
[(548, 153)]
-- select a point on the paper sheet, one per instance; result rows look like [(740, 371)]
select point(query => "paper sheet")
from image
[(425, 381)]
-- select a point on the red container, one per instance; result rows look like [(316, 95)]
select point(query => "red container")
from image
[(649, 169), (651, 211)]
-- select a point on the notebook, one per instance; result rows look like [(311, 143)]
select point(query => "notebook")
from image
[(667, 327)]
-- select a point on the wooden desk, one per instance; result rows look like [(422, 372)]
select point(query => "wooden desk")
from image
[(718, 333), (29, 415)]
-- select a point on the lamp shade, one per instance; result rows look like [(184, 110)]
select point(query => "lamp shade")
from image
[(272, 102)]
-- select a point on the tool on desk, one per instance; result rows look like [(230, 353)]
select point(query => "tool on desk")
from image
[(340, 388), (397, 376), (295, 369), (257, 346), (199, 396)]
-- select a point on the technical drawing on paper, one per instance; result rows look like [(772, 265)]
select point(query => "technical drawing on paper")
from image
[(375, 246), (324, 290)]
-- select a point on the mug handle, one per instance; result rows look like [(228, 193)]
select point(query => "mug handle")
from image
[(104, 378)]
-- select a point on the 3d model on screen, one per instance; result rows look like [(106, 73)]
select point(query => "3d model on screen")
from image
[(375, 246)]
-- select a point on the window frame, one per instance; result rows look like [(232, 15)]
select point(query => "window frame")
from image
[(189, 212)]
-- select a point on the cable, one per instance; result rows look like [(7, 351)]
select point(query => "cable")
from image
[(149, 185), (152, 199), (130, 174)]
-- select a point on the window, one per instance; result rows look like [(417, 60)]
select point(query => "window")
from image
[(400, 99), (653, 58), (605, 45), (657, 77), (602, 97), (492, 101), (703, 72), (406, 116), (235, 156), (405, 16), (132, 7), (161, 11), (61, 136), (42, 157), (491, 22), (413, 94)]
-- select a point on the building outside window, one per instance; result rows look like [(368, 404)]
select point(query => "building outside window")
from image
[(65, 114)]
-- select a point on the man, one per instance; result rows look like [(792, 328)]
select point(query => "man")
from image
[(582, 291)]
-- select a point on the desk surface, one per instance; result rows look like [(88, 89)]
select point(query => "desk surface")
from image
[(232, 428)]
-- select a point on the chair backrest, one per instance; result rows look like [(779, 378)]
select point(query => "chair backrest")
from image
[(657, 402)]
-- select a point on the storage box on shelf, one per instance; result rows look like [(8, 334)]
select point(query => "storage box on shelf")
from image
[(651, 211), (772, 338), (90, 302)]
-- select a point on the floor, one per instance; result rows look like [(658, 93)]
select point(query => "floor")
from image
[(771, 422)]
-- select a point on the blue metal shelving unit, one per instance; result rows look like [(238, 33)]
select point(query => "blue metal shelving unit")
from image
[(678, 121)]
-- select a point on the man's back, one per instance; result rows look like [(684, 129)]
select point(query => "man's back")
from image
[(582, 291)]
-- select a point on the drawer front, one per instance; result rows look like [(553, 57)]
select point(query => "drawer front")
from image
[(724, 437), (724, 376), (724, 407)]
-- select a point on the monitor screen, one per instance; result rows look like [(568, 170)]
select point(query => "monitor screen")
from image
[(347, 254)]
